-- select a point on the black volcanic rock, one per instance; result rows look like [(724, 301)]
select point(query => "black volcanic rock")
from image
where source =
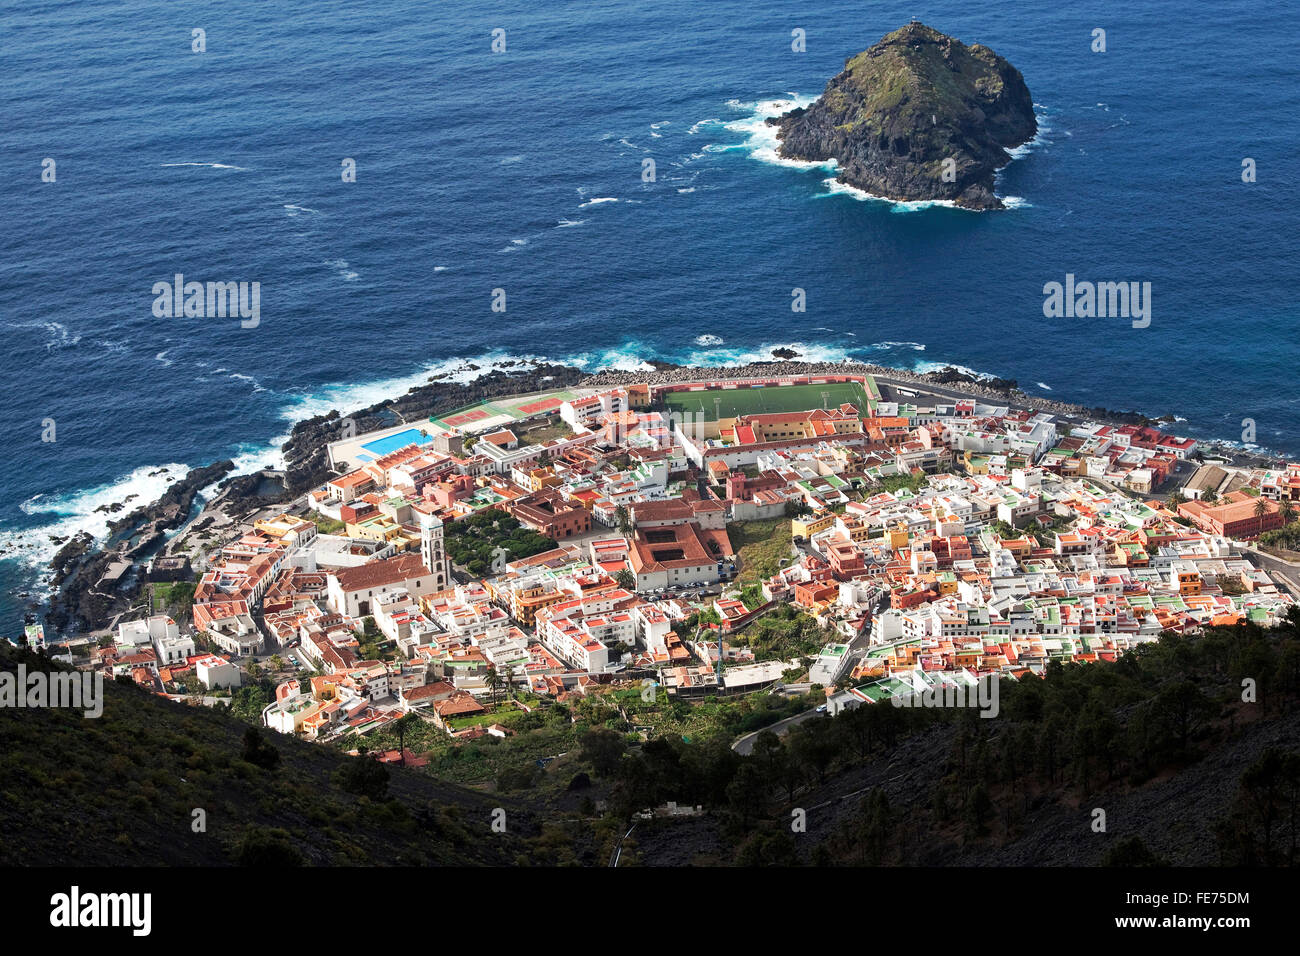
[(903, 107)]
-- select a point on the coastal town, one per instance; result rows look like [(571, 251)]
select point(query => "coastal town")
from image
[(883, 540)]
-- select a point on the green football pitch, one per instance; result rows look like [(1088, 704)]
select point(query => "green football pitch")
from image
[(731, 403)]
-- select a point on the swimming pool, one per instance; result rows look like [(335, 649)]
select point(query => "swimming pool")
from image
[(389, 444)]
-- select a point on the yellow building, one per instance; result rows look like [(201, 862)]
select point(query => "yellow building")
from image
[(809, 525)]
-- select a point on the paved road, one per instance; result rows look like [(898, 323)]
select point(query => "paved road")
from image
[(618, 849), (1285, 573), (745, 745)]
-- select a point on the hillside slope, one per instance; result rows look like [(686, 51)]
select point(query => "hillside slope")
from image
[(121, 790)]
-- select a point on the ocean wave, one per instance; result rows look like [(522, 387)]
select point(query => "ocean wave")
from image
[(711, 121), (881, 346), (207, 165), (162, 357), (349, 397), (64, 515), (597, 200), (760, 138), (1044, 386), (239, 376), (511, 160), (687, 189), (1039, 139), (569, 223), (60, 336), (708, 339), (923, 368), (341, 267), (836, 188), (293, 210)]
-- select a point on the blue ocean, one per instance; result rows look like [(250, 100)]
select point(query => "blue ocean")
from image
[(523, 169)]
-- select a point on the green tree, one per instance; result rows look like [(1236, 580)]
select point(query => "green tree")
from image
[(603, 749), (257, 751), (363, 776), (402, 725)]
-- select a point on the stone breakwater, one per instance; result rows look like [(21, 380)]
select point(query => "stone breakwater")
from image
[(948, 383), (665, 374)]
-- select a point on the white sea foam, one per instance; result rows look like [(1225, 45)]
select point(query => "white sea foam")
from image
[(293, 210), (760, 139), (708, 339), (711, 121), (349, 397), (923, 367), (881, 346), (688, 189), (341, 266), (1039, 139), (63, 515), (569, 223), (1045, 386), (836, 188), (162, 357), (597, 200), (60, 336), (208, 165), (511, 160)]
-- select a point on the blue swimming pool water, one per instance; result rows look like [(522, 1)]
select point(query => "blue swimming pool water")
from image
[(384, 446)]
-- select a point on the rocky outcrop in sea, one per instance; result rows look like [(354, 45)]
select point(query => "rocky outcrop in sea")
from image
[(918, 116)]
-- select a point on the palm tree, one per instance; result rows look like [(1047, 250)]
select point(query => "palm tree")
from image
[(401, 725), (1261, 509), (1287, 510), (623, 519), (510, 681), (493, 682)]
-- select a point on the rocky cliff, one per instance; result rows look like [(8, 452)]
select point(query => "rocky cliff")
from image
[(918, 116)]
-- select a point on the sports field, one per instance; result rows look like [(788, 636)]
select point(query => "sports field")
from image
[(731, 403), (504, 410)]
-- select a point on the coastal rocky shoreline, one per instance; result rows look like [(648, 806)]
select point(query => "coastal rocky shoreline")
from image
[(1000, 390), (77, 605)]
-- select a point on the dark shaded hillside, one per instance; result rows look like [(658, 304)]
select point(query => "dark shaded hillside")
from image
[(1186, 772), (120, 790)]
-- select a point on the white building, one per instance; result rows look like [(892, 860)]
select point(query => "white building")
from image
[(214, 672)]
